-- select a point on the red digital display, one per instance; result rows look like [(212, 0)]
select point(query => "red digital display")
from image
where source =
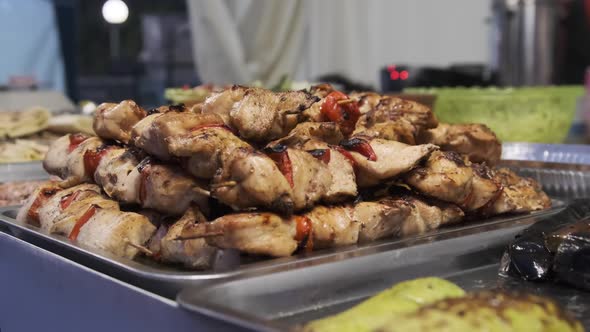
[(395, 75)]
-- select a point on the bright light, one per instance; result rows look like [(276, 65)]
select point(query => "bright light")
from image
[(115, 11)]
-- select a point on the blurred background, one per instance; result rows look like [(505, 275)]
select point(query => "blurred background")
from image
[(98, 50)]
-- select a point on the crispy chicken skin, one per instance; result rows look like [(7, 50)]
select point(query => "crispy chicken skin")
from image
[(114, 121), (393, 118), (477, 141), (158, 133), (259, 115), (251, 179), (262, 115), (392, 159), (254, 233), (206, 149), (192, 253), (367, 101), (451, 178), (518, 194), (333, 226)]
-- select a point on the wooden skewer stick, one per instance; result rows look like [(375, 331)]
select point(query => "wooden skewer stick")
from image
[(140, 248), (345, 101), (188, 235), (202, 191), (224, 184)]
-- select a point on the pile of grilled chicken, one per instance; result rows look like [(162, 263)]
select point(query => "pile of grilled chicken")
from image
[(270, 173)]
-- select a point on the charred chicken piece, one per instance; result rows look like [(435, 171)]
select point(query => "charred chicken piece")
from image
[(192, 254), (428, 216), (250, 179), (343, 185), (258, 114), (518, 194), (393, 118), (477, 141), (206, 149), (123, 176), (29, 212), (65, 158), (377, 160), (158, 133), (333, 226), (367, 100), (382, 219), (253, 233), (449, 177), (84, 216), (327, 132), (114, 121)]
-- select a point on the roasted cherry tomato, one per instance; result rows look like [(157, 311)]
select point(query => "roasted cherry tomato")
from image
[(361, 146), (321, 154), (280, 156), (303, 233), (346, 154), (68, 200), (75, 140), (92, 158), (81, 222), (338, 108)]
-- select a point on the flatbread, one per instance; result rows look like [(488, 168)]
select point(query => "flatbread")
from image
[(70, 124), (24, 123)]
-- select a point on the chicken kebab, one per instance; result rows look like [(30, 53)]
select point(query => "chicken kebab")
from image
[(280, 177), (87, 217), (126, 175)]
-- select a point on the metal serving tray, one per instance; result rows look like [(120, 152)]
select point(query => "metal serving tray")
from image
[(281, 301), (168, 280), (22, 172)]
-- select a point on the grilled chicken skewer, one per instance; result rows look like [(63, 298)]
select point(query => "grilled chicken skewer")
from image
[(259, 115), (83, 215), (477, 141), (125, 175), (392, 118), (192, 253), (323, 227), (450, 177)]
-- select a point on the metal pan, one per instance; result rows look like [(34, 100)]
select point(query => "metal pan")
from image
[(26, 171), (168, 280), (284, 300)]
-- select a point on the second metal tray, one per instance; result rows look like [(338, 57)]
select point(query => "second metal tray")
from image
[(282, 301), (168, 280)]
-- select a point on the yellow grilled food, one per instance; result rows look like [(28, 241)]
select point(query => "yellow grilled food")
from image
[(485, 311), (404, 297)]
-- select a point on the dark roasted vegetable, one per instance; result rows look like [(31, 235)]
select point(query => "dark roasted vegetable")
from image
[(531, 255), (572, 261)]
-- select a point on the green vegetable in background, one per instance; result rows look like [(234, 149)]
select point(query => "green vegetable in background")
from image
[(404, 297)]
